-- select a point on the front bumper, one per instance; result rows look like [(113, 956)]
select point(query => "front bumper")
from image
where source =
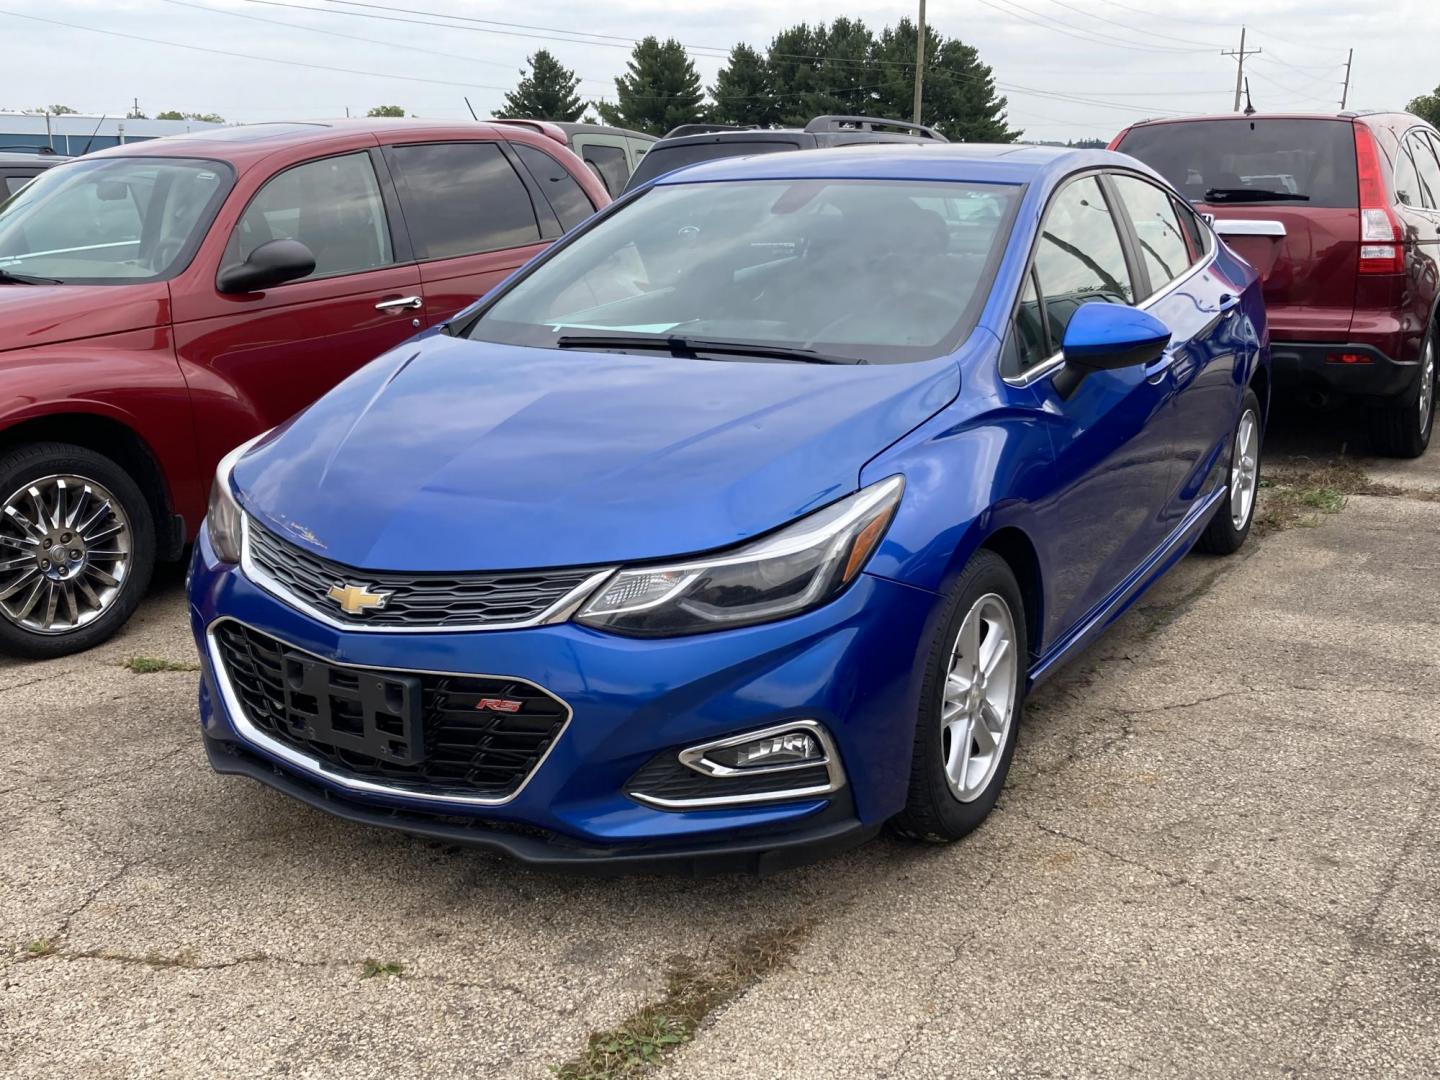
[(1373, 374), (853, 666)]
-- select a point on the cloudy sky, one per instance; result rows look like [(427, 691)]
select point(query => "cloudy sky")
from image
[(1070, 68)]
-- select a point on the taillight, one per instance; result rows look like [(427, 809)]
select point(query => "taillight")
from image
[(1115, 142), (1380, 248)]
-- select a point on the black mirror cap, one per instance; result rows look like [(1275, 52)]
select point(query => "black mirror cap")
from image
[(272, 263)]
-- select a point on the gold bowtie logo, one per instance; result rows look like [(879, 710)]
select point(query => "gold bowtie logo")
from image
[(356, 599)]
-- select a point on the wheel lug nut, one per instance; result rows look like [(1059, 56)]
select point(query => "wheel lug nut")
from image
[(75, 554), (62, 571), (44, 564)]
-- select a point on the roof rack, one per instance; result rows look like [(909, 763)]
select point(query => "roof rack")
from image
[(871, 123), (543, 127), (28, 146), (706, 129)]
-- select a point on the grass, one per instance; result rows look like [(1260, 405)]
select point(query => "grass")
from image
[(692, 994), (372, 968), (1300, 497), (42, 947), (149, 665)]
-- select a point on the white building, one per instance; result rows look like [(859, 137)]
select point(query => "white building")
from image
[(72, 133)]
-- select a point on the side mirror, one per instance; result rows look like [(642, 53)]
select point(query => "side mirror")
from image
[(1105, 337), (272, 263)]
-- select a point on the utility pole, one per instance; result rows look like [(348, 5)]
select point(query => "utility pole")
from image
[(1345, 93), (920, 62), (1240, 55)]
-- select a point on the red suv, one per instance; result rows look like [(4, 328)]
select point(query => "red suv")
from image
[(1341, 214), (162, 303)]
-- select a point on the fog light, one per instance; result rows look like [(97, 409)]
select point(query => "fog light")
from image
[(791, 748), (1348, 358)]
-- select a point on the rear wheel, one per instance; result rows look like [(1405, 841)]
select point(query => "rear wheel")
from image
[(1403, 430), (1230, 526), (77, 548), (970, 706)]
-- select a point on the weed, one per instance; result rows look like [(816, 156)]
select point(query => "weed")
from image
[(692, 994), (1292, 497), (370, 968), (149, 665), (42, 947)]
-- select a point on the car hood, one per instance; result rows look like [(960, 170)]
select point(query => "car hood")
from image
[(48, 314), (459, 455)]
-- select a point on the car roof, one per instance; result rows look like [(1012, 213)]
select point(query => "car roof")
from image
[(1000, 163), (576, 127), (44, 161), (243, 143)]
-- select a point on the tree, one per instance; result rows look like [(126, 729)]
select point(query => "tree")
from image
[(742, 92), (959, 91), (546, 93), (660, 89), (1427, 107), (58, 110), (387, 110), (204, 118)]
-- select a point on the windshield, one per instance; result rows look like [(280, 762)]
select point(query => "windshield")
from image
[(1307, 162), (864, 270), (110, 220)]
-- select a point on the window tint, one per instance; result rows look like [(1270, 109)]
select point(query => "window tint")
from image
[(1079, 258), (1426, 167), (610, 165), (332, 206), (1407, 180), (568, 198), (1162, 243), (1248, 160), (463, 198), (664, 159), (1027, 345), (15, 183), (1190, 221)]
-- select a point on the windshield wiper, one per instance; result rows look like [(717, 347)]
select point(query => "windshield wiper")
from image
[(8, 278), (689, 347), (1247, 194)]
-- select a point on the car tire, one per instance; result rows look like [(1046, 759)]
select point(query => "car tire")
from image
[(956, 771), (1230, 526), (1402, 430), (104, 531)]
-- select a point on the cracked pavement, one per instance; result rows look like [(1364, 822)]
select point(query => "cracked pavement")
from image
[(1217, 855)]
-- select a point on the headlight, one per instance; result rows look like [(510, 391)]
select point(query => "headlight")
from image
[(222, 517), (799, 567)]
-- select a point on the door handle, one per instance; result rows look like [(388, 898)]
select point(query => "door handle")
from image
[(401, 303)]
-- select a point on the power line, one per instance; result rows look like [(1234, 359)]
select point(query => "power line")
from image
[(1057, 26), (1130, 26)]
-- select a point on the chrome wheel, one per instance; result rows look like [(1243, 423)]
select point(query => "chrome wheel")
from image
[(1244, 469), (1427, 388), (979, 698), (65, 549)]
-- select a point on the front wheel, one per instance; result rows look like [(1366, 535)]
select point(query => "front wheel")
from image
[(970, 705), (1403, 430), (1230, 526), (77, 547)]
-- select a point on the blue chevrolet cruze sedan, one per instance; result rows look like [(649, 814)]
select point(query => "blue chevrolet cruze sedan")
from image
[(740, 522)]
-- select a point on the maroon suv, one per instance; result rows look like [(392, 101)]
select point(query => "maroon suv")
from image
[(1341, 214)]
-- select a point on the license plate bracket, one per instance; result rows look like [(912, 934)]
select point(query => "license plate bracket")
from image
[(373, 713)]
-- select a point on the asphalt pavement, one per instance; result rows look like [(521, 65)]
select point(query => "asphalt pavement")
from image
[(1217, 855)]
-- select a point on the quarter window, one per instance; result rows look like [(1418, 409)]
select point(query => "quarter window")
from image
[(1162, 243), (332, 206), (464, 198), (567, 198), (1426, 167), (1079, 259)]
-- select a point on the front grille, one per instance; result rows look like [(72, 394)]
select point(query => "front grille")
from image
[(665, 777), (440, 601), (462, 735)]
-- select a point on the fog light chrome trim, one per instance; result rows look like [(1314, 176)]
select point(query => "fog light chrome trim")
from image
[(694, 757)]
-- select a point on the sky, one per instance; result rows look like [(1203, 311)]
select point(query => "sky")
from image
[(1070, 68)]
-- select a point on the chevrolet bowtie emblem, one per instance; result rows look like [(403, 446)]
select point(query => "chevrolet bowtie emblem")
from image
[(356, 599)]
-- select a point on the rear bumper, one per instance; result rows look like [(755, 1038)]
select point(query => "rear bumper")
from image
[(1302, 366)]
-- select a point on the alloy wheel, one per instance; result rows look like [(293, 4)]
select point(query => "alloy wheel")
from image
[(978, 707), (1427, 387), (65, 550), (1244, 469)]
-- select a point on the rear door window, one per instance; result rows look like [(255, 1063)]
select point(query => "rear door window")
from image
[(1157, 228), (1080, 259), (463, 199), (1427, 169), (567, 197), (609, 164), (1249, 160), (332, 206)]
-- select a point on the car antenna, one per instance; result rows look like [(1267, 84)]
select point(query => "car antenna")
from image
[(1249, 107), (92, 136), (472, 110)]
